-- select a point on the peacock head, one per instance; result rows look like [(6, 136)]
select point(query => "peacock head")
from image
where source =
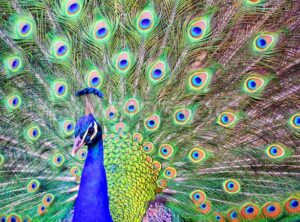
[(87, 130)]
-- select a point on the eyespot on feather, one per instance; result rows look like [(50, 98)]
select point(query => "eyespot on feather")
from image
[(60, 90), (152, 123), (276, 151), (82, 154), (166, 151), (148, 147), (196, 155), (68, 127), (253, 84), (198, 29), (60, 48), (24, 219), (219, 217), (198, 197), (119, 127), (13, 102), (123, 62), (272, 210), (74, 171), (157, 72), (13, 64), (13, 217), (131, 107), (94, 79), (292, 205), (48, 199), (231, 186), (71, 9), (227, 119), (137, 137), (199, 80), (204, 207), (264, 42), (58, 160), (170, 172), (250, 211), (33, 133), (41, 209), (101, 30), (233, 215), (3, 217), (294, 121), (145, 22), (23, 26), (182, 116), (111, 113), (33, 186)]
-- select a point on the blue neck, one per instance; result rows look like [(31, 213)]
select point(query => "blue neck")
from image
[(92, 203)]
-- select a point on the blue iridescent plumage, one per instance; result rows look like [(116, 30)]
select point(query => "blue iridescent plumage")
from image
[(92, 203)]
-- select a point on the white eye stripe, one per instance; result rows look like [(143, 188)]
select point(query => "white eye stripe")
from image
[(94, 134), (95, 131), (86, 132)]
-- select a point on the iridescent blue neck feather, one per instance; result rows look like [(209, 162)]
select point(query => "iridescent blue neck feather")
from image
[(92, 203)]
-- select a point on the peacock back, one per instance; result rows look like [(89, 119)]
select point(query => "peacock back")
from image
[(131, 176)]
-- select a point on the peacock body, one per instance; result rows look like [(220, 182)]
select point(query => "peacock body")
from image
[(185, 110)]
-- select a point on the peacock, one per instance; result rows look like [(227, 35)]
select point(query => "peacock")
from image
[(149, 110)]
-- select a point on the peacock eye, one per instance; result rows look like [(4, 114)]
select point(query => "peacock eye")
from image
[(91, 131)]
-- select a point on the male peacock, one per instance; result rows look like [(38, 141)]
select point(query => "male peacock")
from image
[(198, 117)]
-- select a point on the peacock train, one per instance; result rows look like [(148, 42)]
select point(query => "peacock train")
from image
[(149, 111)]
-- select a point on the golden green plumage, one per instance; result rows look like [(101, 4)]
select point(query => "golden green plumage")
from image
[(131, 177)]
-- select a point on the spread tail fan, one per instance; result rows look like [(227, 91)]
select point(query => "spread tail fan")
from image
[(199, 118)]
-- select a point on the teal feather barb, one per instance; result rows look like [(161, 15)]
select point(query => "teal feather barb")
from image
[(200, 115)]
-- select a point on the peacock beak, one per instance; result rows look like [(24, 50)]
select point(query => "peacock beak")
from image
[(78, 143)]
